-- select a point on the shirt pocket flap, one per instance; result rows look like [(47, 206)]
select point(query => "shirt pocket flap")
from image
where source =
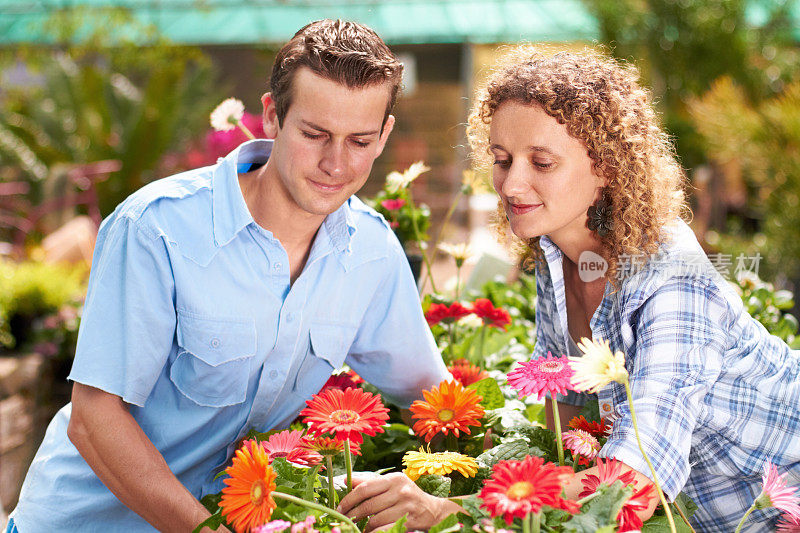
[(216, 341), (331, 342)]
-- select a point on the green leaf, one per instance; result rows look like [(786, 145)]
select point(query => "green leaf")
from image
[(600, 512), (436, 485), (212, 522), (211, 502), (398, 527), (490, 392), (448, 525)]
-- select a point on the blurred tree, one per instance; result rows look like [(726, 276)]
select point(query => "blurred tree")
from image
[(110, 89), (682, 46)]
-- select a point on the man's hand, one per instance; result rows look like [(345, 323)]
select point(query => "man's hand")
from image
[(388, 498)]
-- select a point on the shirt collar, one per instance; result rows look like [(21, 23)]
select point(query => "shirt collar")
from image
[(230, 213)]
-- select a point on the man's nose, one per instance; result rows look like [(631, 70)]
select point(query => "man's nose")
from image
[(333, 159)]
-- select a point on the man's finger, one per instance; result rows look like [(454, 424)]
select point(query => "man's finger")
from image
[(386, 518), (375, 505), (364, 490)]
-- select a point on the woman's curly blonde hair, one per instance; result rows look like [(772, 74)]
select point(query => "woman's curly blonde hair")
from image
[(603, 106)]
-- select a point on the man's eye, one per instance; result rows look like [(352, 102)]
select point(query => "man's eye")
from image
[(360, 143), (309, 135), (505, 164)]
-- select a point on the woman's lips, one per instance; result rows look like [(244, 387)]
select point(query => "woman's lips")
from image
[(521, 209)]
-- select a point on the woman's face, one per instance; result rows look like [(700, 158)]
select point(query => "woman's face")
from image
[(543, 175)]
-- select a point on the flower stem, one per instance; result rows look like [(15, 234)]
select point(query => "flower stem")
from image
[(664, 502), (741, 522), (245, 130), (451, 443), (480, 343), (458, 281), (331, 488), (452, 343), (557, 422), (686, 520), (536, 519), (526, 524), (439, 234), (316, 506), (348, 465), (418, 237)]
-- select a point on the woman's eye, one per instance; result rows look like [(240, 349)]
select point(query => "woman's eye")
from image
[(505, 164), (542, 165)]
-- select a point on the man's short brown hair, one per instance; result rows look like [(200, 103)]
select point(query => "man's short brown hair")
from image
[(346, 52)]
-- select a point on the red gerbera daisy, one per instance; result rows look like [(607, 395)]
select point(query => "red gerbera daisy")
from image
[(348, 414), (289, 444), (343, 381), (442, 313), (596, 429), (518, 488), (491, 315), (546, 374), (466, 373), (607, 473)]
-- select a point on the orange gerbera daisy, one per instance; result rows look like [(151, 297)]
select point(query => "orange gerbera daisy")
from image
[(466, 373), (348, 413), (448, 408), (327, 446), (247, 496)]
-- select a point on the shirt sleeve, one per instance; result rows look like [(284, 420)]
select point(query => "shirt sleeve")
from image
[(128, 323), (680, 342), (394, 348)]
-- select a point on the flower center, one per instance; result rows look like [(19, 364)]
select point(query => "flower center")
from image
[(344, 416), (445, 415), (551, 366), (520, 490), (257, 492)]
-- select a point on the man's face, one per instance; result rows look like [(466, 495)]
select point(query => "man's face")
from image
[(330, 137)]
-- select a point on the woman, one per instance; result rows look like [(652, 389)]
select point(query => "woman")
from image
[(589, 185)]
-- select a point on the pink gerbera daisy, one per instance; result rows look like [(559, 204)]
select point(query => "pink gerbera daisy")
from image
[(276, 526), (291, 445), (582, 444), (775, 493), (788, 524), (546, 374), (607, 473)]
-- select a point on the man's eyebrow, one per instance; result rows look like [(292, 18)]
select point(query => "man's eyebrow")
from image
[(323, 130)]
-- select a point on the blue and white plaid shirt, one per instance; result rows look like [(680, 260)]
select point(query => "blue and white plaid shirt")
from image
[(716, 395)]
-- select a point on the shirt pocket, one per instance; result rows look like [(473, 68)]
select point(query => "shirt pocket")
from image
[(212, 367), (328, 346)]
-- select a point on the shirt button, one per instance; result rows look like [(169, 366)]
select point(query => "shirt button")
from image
[(215, 342), (289, 317), (273, 374), (277, 267)]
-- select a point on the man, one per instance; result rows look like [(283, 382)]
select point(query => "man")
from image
[(222, 298)]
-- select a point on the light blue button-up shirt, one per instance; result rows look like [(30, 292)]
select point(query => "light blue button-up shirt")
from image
[(191, 318)]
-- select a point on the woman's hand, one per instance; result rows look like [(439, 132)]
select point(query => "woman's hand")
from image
[(388, 498)]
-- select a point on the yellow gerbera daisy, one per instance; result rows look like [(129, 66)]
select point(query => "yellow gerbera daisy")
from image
[(598, 367), (442, 463)]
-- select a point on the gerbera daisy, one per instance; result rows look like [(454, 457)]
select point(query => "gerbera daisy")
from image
[(448, 408), (598, 366), (491, 315), (788, 524), (396, 180), (442, 463), (545, 374), (327, 446), (581, 444), (227, 114), (349, 414), (596, 429), (442, 313), (247, 496), (775, 493), (306, 526), (459, 252), (607, 473), (466, 373), (343, 380), (393, 204), (276, 526), (518, 488), (289, 444)]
